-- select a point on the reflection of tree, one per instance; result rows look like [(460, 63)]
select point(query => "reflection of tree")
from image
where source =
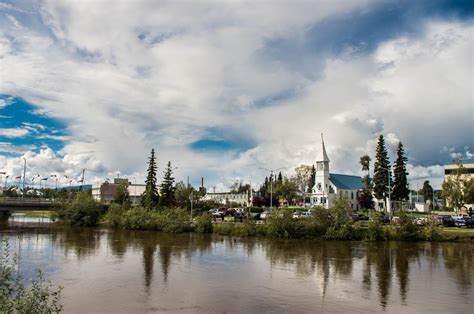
[(458, 260), (81, 241), (383, 270), (167, 246)]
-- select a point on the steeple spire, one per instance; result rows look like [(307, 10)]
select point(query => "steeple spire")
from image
[(322, 156)]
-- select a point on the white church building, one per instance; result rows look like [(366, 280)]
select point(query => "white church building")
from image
[(329, 186)]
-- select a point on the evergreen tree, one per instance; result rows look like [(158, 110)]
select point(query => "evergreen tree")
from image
[(365, 198), (427, 191), (312, 179), (150, 196), (381, 175), (400, 183), (167, 188)]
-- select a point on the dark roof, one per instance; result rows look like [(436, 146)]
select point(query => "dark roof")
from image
[(345, 182)]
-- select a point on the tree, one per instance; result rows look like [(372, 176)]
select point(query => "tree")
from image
[(279, 179), (365, 197), (150, 196), (469, 191), (287, 189), (312, 179), (400, 183), (182, 194), (426, 191), (121, 194), (381, 174), (167, 187), (455, 188), (303, 177)]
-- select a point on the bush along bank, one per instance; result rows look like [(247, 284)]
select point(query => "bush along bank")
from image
[(328, 224)]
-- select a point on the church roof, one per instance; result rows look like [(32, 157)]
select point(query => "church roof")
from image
[(322, 155), (346, 182)]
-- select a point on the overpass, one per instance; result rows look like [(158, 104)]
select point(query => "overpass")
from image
[(17, 203)]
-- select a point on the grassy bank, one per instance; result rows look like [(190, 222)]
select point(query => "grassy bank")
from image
[(328, 224)]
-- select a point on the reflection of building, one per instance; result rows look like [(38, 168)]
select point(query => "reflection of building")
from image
[(329, 186), (107, 191), (243, 199)]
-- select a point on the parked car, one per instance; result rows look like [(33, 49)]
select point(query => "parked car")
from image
[(459, 222), (307, 214), (446, 221), (296, 215), (396, 220), (468, 220), (265, 214)]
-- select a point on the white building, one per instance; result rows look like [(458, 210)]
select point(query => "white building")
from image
[(329, 186), (243, 199)]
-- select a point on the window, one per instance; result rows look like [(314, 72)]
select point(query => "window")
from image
[(352, 195)]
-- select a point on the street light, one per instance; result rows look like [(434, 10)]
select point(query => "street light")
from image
[(271, 182)]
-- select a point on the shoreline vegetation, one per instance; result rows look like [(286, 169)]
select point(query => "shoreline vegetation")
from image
[(325, 224)]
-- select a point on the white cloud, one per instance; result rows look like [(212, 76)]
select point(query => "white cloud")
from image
[(122, 95), (13, 132)]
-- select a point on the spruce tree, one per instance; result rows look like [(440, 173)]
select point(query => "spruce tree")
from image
[(150, 196), (400, 183), (427, 191), (381, 175), (365, 198), (280, 179), (312, 179), (167, 187)]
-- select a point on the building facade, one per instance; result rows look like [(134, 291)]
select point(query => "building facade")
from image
[(106, 192), (243, 199), (330, 186)]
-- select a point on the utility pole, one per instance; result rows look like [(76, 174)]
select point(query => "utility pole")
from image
[(82, 180), (191, 199)]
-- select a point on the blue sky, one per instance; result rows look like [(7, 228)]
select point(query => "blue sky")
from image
[(229, 87)]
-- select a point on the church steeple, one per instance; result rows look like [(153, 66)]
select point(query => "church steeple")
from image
[(322, 156)]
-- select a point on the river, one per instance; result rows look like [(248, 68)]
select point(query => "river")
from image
[(131, 272)]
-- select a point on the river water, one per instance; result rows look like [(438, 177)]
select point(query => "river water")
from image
[(131, 272)]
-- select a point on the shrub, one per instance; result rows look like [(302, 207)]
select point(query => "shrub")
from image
[(83, 210), (223, 228), (15, 297), (203, 224), (375, 228)]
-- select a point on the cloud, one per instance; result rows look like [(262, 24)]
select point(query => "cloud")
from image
[(13, 132), (131, 77)]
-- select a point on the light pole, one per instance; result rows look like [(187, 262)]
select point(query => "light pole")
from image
[(3, 173), (271, 183)]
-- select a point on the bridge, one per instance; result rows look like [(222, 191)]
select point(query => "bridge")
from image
[(27, 204)]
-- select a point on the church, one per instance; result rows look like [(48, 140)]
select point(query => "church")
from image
[(329, 186)]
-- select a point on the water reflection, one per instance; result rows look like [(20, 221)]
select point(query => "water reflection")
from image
[(307, 274)]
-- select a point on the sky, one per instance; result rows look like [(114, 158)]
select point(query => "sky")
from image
[(224, 88)]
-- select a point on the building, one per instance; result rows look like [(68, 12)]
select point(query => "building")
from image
[(243, 199), (329, 186), (452, 169), (106, 192)]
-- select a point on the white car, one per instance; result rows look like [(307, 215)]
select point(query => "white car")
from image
[(264, 214)]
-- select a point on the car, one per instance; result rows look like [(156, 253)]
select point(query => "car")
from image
[(446, 221), (307, 214), (296, 215), (469, 221), (459, 222), (265, 214), (396, 220)]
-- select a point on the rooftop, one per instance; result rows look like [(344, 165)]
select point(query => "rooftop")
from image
[(346, 182)]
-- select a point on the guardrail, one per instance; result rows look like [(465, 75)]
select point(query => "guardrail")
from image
[(14, 200)]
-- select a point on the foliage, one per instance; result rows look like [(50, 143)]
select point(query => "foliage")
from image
[(365, 198), (427, 191), (151, 197), (16, 297), (381, 175), (203, 224), (82, 210), (457, 189), (182, 193), (375, 228), (400, 183), (121, 194), (167, 188)]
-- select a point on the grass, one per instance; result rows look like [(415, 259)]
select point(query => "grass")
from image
[(464, 231)]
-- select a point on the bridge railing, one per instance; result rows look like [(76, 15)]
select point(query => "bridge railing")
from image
[(19, 200)]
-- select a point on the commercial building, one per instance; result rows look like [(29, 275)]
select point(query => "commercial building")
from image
[(243, 199), (106, 192)]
